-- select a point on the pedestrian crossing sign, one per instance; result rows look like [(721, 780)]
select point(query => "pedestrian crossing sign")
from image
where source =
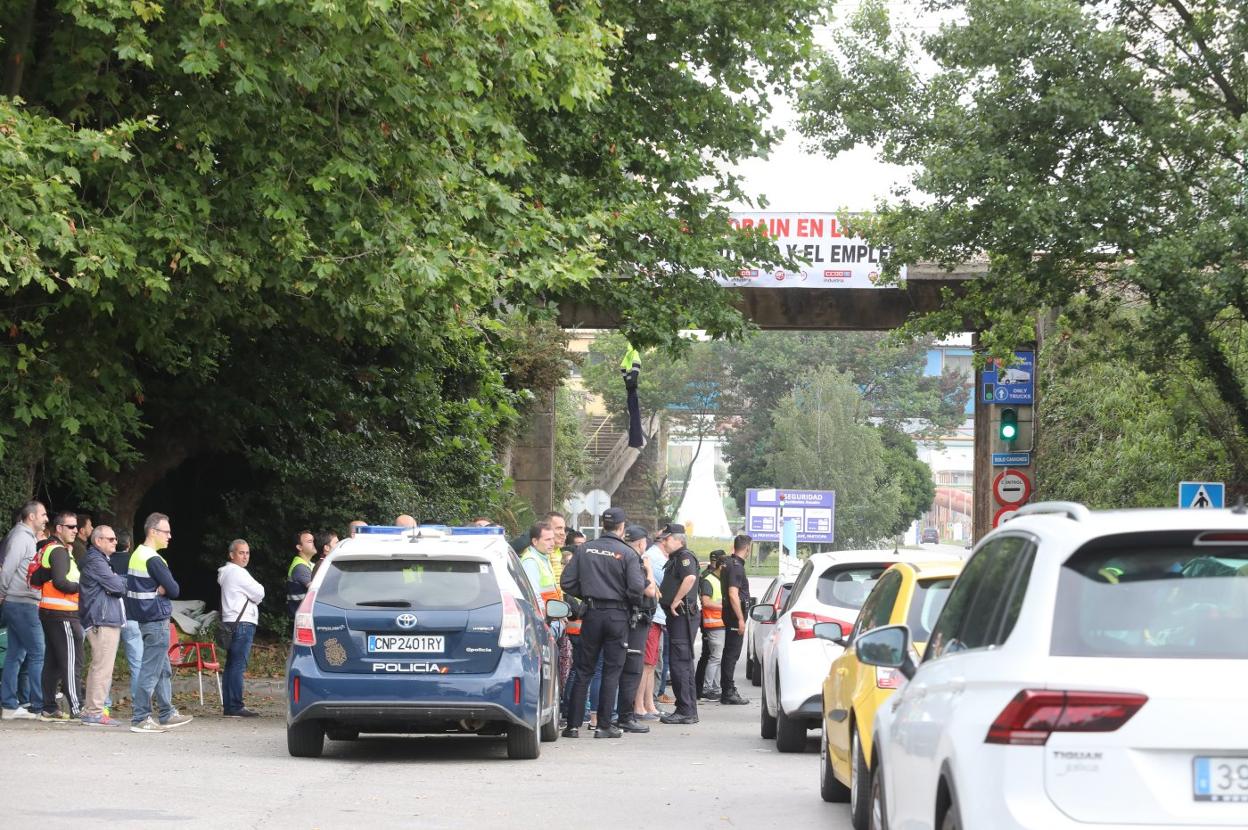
[(1202, 495)]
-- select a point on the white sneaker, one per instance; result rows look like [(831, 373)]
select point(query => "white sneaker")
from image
[(176, 720), (17, 714), (148, 726)]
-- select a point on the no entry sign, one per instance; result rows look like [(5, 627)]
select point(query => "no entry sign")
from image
[(1004, 514), (1011, 487)]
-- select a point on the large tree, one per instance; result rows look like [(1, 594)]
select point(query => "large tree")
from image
[(1084, 149), (227, 222)]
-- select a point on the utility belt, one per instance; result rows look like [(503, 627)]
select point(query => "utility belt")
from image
[(618, 604)]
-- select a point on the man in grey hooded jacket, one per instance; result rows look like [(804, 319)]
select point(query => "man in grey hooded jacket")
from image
[(102, 609), (21, 615)]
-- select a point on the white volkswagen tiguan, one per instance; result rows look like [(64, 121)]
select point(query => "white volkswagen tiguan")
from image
[(1088, 671)]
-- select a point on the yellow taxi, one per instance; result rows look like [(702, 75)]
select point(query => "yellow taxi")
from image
[(909, 593)]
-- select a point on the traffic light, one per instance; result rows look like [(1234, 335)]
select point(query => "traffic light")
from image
[(1008, 429)]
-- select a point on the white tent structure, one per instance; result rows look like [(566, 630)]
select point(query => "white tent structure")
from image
[(702, 510)]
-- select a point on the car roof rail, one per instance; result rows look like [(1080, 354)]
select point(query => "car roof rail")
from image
[(1072, 510)]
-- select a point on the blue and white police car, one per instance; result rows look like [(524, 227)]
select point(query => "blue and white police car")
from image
[(431, 630)]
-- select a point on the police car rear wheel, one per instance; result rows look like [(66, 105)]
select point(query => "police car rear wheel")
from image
[(306, 739), (522, 743), (757, 678)]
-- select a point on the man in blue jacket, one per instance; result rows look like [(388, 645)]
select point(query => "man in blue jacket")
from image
[(102, 609), (149, 587)]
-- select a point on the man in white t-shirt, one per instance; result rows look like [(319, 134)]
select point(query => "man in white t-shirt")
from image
[(240, 596)]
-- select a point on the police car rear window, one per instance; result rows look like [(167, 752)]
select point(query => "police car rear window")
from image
[(1153, 600), (399, 583)]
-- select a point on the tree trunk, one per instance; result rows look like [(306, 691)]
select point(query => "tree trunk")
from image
[(131, 486), (18, 56)]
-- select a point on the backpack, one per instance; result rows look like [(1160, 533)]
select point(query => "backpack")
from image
[(36, 574)]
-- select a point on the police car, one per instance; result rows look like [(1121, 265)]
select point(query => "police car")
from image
[(430, 630)]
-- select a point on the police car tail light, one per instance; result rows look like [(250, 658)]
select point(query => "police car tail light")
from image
[(511, 634), (804, 623), (305, 635), (887, 678), (1034, 714)]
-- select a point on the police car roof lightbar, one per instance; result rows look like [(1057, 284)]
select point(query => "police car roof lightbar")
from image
[(397, 530)]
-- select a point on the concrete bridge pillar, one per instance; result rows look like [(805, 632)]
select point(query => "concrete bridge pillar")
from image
[(533, 455)]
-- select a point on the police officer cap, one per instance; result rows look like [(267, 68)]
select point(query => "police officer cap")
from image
[(635, 533), (613, 516), (671, 530)]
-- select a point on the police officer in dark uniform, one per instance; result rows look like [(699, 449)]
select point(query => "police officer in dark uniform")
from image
[(639, 618), (736, 587), (607, 575), (680, 602)]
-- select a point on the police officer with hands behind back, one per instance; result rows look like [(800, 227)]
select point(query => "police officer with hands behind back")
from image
[(638, 538), (607, 574), (679, 596)]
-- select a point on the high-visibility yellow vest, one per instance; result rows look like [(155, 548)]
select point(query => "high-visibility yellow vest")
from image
[(51, 597), (713, 617)]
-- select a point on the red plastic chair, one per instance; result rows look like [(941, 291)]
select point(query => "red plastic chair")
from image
[(190, 655)]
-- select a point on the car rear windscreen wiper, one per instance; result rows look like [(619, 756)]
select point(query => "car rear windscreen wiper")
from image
[(387, 603)]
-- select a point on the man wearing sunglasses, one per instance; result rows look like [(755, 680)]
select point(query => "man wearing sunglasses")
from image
[(102, 610), (57, 577)]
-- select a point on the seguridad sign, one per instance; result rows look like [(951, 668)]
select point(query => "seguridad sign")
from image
[(827, 254)]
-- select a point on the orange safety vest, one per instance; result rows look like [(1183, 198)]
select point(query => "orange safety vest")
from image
[(51, 598), (713, 618)]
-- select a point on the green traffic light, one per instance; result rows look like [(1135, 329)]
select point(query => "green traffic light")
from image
[(1009, 424)]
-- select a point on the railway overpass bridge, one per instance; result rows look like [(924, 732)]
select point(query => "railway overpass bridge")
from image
[(790, 307)]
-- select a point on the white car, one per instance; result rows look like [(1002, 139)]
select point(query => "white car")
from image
[(1087, 671), (757, 632), (831, 587)]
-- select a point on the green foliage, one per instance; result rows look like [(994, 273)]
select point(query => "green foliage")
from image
[(1116, 434), (821, 441), (1093, 150), (571, 460)]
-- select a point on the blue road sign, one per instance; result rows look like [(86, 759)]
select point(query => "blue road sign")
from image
[(1197, 495), (813, 512), (1015, 384), (1011, 459)]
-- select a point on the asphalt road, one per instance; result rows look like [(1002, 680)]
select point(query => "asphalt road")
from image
[(223, 773)]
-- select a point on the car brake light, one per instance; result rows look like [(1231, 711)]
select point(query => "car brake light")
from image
[(804, 624), (304, 634), (887, 678), (1034, 714), (511, 634)]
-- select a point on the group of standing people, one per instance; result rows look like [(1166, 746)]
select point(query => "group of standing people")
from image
[(629, 592), (63, 581)]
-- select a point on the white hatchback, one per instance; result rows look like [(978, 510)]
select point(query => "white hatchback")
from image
[(1087, 671), (831, 587)]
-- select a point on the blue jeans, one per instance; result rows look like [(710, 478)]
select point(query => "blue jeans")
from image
[(24, 657), (235, 664), (132, 644), (155, 686)]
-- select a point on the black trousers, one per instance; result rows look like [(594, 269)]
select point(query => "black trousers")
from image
[(630, 677), (682, 628), (728, 665), (604, 630), (62, 661)]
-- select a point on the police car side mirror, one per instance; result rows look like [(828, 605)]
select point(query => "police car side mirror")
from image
[(557, 609), (763, 613)]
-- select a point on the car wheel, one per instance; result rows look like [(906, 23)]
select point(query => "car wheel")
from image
[(952, 820), (790, 732), (829, 788), (879, 814), (342, 734), (859, 785), (757, 679), (522, 742), (749, 669), (550, 729), (305, 739), (767, 726)]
